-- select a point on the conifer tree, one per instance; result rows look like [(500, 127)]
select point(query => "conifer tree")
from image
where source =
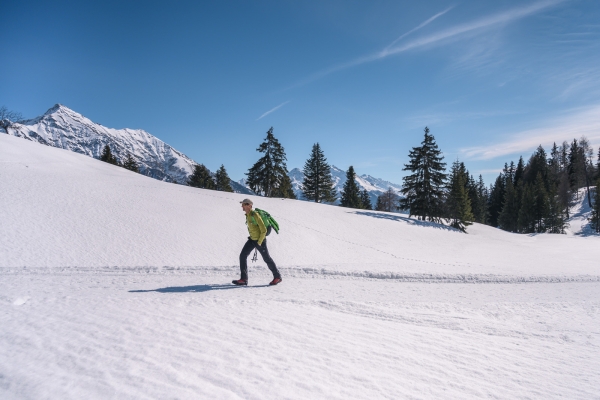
[(365, 200), (351, 192), (509, 216), (595, 215), (285, 189), (318, 184), (527, 211), (458, 205), (541, 204), (201, 178), (222, 180), (519, 172), (481, 214), (556, 220), (423, 189), (496, 200), (269, 175), (107, 156), (537, 164), (131, 164)]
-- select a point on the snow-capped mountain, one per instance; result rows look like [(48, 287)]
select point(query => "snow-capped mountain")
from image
[(62, 127), (374, 186)]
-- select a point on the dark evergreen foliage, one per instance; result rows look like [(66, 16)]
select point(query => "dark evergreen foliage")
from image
[(509, 216), (595, 217), (480, 210), (318, 184), (222, 180), (131, 164), (527, 212), (496, 200), (423, 189), (541, 204), (458, 205), (269, 175), (351, 192), (107, 156), (201, 178), (365, 200)]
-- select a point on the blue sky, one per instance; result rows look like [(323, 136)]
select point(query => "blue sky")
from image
[(491, 79)]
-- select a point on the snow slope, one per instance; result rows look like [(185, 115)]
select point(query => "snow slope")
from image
[(115, 285)]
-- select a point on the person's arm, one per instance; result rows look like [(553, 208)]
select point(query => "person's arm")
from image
[(262, 227)]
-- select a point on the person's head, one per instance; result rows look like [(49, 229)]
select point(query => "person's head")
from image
[(246, 205)]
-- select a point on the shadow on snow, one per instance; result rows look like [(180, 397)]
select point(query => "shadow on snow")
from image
[(410, 221), (196, 288)]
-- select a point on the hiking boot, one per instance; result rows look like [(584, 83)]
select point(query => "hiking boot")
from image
[(275, 281), (240, 282)]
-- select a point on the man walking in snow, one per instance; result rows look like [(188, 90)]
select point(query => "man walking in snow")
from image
[(256, 240)]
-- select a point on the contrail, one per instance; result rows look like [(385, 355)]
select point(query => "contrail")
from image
[(273, 109)]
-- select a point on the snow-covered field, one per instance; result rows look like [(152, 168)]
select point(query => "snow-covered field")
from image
[(115, 285)]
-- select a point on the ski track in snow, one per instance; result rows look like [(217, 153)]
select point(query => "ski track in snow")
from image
[(114, 285)]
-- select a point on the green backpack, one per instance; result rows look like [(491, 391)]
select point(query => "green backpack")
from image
[(267, 220)]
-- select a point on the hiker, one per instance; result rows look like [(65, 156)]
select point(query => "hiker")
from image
[(256, 240)]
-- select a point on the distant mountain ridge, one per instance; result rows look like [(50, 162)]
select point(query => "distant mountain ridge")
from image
[(62, 127)]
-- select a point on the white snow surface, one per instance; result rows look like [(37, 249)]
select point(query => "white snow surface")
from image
[(116, 285)]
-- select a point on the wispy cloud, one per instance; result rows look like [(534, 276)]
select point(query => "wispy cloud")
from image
[(579, 123), (452, 32), (273, 109)]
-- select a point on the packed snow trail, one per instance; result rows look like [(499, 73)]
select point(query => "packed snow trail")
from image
[(172, 336)]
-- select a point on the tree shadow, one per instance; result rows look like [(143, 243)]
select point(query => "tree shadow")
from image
[(410, 221), (196, 288)]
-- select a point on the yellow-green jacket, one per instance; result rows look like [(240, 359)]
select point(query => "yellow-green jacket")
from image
[(256, 227)]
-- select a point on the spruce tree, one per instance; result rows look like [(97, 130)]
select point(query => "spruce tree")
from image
[(365, 200), (107, 156), (527, 211), (131, 164), (519, 172), (496, 200), (556, 220), (423, 189), (509, 216), (285, 189), (481, 214), (318, 184), (458, 205), (222, 180), (541, 204), (595, 215), (201, 178), (269, 175), (351, 192)]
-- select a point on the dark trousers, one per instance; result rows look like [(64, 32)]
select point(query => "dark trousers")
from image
[(264, 252)]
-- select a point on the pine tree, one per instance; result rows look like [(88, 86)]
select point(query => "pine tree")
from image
[(131, 164), (423, 189), (509, 216), (458, 205), (269, 175), (541, 204), (527, 211), (285, 189), (351, 192), (222, 180), (318, 184), (107, 156), (556, 220), (519, 172), (595, 216), (496, 200), (201, 178), (574, 168), (365, 200), (482, 214)]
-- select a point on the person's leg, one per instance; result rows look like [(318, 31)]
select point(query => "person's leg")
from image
[(246, 250), (264, 252)]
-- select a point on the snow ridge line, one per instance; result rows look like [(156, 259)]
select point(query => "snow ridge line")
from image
[(308, 272)]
